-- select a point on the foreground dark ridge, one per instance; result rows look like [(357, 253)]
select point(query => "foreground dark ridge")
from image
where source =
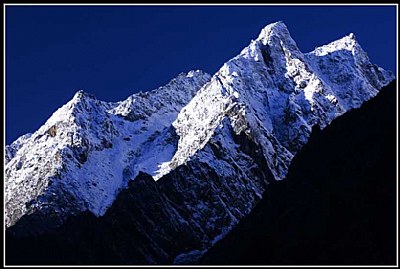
[(338, 204)]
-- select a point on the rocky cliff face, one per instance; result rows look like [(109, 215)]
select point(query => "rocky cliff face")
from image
[(209, 146)]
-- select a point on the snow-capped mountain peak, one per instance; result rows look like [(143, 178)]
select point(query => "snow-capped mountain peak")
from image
[(271, 89), (270, 94), (88, 149), (347, 42), (278, 29)]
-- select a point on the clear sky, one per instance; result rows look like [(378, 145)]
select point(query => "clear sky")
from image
[(115, 51)]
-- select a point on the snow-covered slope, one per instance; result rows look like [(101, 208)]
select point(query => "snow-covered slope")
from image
[(270, 94), (88, 150), (275, 93)]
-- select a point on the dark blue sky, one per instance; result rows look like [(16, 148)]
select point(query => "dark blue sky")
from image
[(114, 51)]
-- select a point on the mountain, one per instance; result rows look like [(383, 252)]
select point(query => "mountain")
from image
[(171, 171), (88, 150), (337, 204)]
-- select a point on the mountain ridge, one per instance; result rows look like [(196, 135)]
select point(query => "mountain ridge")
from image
[(226, 135)]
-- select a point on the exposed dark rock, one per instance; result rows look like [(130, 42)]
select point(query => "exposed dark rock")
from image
[(52, 131), (106, 144)]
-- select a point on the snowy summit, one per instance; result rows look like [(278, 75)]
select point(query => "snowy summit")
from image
[(270, 95)]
